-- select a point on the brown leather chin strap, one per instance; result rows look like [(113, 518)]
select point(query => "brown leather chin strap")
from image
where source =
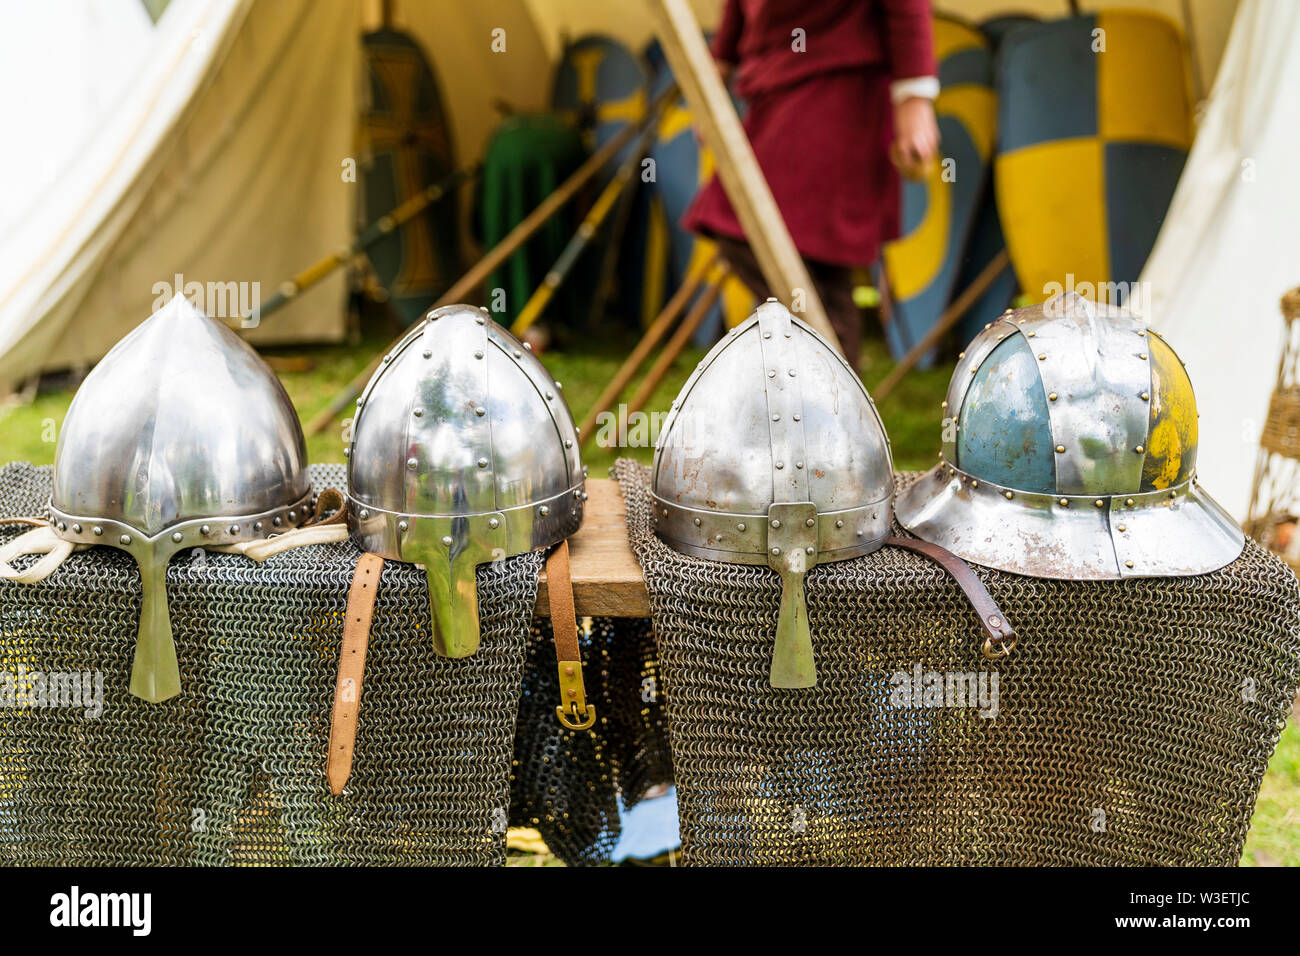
[(574, 711), (1001, 635), (352, 668)]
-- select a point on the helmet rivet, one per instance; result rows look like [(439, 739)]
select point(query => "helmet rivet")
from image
[(568, 443), (776, 550), (528, 346), (665, 512), (277, 521), (1006, 494), (1173, 494), (77, 528), (482, 462), (1065, 502), (1128, 564), (360, 402), (839, 522), (418, 412), (1100, 503), (697, 522), (944, 403), (1030, 335), (1138, 449), (62, 527), (798, 464), (544, 511), (1042, 356), (741, 526), (480, 410), (257, 526), (809, 522), (494, 523), (364, 514), (776, 522), (771, 373), (446, 540), (402, 526), (347, 452), (798, 418), (780, 465), (1128, 502), (559, 386), (178, 537), (776, 418), (974, 483), (125, 539), (412, 463), (293, 516), (1051, 397), (234, 529), (1123, 527), (98, 530), (1142, 356), (767, 335), (811, 550), (717, 537), (479, 320), (1060, 449), (995, 621), (203, 529), (1146, 397), (428, 353), (792, 373), (961, 355), (478, 353)]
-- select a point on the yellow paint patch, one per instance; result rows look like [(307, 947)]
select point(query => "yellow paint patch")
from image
[(1172, 433), (1051, 200), (951, 36), (977, 108), (1143, 91)]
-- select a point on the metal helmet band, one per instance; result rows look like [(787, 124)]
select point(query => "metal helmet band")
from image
[(463, 451), (1069, 452), (773, 453), (181, 437)]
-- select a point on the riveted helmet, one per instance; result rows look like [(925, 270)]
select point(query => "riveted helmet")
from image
[(180, 437), (1069, 452), (463, 451), (773, 454)]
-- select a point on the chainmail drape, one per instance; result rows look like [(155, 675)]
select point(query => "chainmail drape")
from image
[(233, 770), (1134, 721), (567, 784)]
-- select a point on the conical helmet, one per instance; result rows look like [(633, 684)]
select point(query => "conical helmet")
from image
[(463, 452), (181, 437), (1069, 451), (773, 454)]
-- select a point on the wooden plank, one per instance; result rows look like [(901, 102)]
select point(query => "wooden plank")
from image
[(607, 580), (711, 108)]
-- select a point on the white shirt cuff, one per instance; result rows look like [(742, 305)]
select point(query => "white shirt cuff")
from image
[(924, 86)]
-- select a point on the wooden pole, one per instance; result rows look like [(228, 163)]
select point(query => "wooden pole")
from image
[(713, 112), (678, 342), (946, 321), (658, 328), (497, 255)]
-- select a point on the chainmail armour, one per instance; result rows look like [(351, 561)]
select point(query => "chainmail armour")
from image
[(567, 784), (233, 770), (1135, 719)]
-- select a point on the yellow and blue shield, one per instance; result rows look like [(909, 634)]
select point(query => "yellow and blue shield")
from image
[(1096, 122)]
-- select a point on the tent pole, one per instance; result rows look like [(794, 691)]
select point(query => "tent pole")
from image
[(497, 255)]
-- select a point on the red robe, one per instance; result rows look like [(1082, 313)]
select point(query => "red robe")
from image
[(820, 120)]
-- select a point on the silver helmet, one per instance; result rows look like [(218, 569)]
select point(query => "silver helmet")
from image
[(181, 437), (463, 451), (1069, 451), (773, 454)]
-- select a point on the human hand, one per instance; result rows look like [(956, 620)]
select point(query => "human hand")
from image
[(916, 136)]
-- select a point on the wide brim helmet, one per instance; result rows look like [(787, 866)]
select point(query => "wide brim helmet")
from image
[(1069, 452)]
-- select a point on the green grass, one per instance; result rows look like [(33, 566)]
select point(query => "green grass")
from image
[(911, 415)]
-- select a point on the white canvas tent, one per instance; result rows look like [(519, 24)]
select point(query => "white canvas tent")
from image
[(219, 153), (1230, 245)]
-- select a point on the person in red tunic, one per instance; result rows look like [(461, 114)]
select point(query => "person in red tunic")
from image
[(839, 93)]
